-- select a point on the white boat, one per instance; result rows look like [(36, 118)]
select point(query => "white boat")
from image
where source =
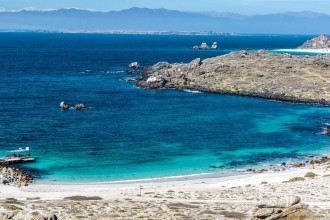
[(17, 156)]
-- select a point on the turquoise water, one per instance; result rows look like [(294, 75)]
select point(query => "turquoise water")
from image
[(132, 133)]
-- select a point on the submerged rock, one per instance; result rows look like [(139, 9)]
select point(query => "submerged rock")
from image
[(64, 106)]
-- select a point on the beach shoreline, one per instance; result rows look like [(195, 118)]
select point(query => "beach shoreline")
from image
[(235, 194), (313, 51), (44, 190)]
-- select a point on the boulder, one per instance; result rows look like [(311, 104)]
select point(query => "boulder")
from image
[(134, 65), (152, 82), (288, 208), (280, 202), (64, 106), (264, 212), (80, 106)]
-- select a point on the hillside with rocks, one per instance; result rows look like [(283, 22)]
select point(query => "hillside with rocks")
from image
[(283, 77)]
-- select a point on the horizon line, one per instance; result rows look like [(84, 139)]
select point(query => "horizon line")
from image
[(34, 9)]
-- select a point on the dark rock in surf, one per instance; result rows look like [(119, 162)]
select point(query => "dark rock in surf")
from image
[(328, 130)]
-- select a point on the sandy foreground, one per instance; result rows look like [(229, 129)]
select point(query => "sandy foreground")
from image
[(232, 197), (321, 51)]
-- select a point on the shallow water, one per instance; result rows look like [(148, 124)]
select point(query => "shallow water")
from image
[(132, 133)]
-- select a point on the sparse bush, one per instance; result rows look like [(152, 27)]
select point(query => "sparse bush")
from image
[(310, 175)]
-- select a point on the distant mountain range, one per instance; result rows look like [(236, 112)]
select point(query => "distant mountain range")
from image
[(138, 19)]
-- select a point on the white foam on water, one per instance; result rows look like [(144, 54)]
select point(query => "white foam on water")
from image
[(191, 91)]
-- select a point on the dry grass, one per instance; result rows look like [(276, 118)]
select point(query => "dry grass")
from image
[(295, 179), (83, 198)]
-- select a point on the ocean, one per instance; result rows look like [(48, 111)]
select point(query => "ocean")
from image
[(131, 133)]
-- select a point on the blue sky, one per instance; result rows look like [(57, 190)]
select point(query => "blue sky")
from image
[(238, 6)]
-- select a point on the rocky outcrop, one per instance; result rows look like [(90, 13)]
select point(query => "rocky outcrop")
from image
[(204, 46), (134, 65), (284, 208), (250, 73), (152, 82), (320, 42), (80, 106), (14, 177), (64, 106)]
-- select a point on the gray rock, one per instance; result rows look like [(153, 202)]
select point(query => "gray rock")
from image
[(80, 106), (281, 202), (264, 212), (134, 65)]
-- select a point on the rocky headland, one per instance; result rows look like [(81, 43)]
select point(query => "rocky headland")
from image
[(320, 42), (284, 77)]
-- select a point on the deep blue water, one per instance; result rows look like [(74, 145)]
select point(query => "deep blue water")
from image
[(134, 133)]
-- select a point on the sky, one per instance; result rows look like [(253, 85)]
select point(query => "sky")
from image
[(237, 6)]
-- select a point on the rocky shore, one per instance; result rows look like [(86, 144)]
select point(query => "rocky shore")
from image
[(14, 177), (283, 77)]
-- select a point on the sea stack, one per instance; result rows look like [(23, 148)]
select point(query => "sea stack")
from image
[(320, 42), (64, 106)]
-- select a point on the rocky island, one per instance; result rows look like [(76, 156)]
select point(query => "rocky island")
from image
[(204, 46), (284, 77)]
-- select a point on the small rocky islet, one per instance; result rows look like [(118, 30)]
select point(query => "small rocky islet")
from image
[(283, 77)]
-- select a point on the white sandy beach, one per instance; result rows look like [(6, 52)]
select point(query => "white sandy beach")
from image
[(210, 198), (318, 51)]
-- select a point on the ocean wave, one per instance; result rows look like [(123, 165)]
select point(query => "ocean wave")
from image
[(192, 91)]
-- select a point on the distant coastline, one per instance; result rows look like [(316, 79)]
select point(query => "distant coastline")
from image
[(133, 32)]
